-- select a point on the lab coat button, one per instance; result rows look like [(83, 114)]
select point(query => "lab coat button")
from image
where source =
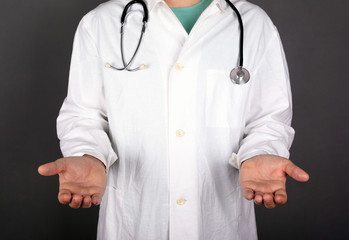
[(178, 66), (179, 133), (181, 201)]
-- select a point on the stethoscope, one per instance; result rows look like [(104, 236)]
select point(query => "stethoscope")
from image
[(238, 75)]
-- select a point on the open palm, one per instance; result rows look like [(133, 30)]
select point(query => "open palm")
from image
[(82, 180), (263, 178)]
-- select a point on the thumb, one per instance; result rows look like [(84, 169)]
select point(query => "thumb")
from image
[(296, 172), (52, 168)]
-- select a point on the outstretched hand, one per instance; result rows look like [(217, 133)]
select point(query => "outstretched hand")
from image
[(263, 178), (82, 180)]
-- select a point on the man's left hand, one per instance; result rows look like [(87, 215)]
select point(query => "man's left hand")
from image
[(263, 178)]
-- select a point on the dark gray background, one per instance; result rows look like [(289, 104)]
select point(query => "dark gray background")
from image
[(35, 47)]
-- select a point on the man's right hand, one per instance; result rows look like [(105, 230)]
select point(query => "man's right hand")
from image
[(82, 180)]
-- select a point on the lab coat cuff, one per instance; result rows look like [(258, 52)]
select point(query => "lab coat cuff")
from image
[(237, 159), (106, 160)]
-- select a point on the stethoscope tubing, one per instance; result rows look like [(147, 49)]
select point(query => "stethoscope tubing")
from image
[(123, 23), (128, 5), (238, 75), (241, 43)]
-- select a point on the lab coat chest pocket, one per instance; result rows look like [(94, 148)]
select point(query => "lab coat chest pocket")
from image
[(225, 101)]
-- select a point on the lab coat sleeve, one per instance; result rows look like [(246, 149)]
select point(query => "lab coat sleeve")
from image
[(268, 118), (82, 124)]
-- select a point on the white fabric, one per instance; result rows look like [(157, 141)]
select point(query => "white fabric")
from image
[(160, 185)]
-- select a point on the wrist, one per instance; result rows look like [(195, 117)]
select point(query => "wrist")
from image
[(96, 159), (242, 163)]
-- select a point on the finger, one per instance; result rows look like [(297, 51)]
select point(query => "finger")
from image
[(76, 201), (258, 198), (268, 200), (248, 193), (280, 196), (296, 172), (52, 168), (96, 199), (86, 203), (64, 196)]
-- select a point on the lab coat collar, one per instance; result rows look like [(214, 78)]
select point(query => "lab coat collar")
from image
[(221, 4), (152, 3)]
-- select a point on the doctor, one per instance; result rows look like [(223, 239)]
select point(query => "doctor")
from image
[(176, 150)]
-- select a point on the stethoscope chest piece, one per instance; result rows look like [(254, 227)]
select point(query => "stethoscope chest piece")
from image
[(239, 75)]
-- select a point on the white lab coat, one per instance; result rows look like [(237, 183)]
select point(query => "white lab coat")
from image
[(173, 136)]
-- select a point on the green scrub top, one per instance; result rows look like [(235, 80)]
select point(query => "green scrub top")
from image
[(189, 15)]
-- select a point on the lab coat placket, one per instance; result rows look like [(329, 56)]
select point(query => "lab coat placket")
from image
[(182, 152), (184, 196)]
